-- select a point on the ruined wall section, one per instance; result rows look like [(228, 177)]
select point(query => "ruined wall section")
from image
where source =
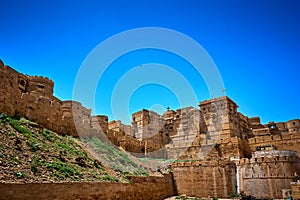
[(267, 173)]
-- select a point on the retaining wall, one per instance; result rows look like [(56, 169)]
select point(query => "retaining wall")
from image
[(140, 188)]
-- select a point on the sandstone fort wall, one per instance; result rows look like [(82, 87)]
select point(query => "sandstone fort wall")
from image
[(140, 188), (187, 133), (205, 178), (265, 175)]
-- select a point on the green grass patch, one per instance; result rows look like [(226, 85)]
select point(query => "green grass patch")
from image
[(115, 158), (109, 178), (33, 144), (18, 127), (48, 135), (65, 170), (14, 160), (57, 157), (34, 165)]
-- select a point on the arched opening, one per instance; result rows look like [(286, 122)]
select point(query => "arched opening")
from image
[(22, 84)]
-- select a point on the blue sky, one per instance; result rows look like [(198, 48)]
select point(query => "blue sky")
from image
[(255, 45)]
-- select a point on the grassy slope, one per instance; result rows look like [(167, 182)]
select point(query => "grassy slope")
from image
[(31, 153), (113, 157)]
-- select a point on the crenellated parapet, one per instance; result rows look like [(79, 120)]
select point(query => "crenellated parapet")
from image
[(40, 85), (202, 163), (267, 173), (42, 80), (269, 156), (286, 141)]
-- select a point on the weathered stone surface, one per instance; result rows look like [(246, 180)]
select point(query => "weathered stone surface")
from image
[(208, 179), (140, 188)]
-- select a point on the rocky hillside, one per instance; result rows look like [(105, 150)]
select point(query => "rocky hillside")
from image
[(31, 153)]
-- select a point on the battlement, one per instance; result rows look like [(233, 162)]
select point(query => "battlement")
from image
[(200, 163), (40, 85), (275, 153), (266, 160), (218, 100), (8, 70), (41, 79), (271, 138), (254, 120), (270, 156)]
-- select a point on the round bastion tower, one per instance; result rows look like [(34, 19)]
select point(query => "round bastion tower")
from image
[(40, 85)]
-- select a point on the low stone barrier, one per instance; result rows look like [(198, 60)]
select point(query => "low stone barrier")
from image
[(140, 188)]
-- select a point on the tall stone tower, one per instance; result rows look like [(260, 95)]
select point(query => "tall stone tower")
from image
[(148, 125), (221, 118)]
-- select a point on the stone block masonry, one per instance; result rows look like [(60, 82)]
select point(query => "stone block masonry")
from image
[(267, 173), (147, 188), (205, 178)]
